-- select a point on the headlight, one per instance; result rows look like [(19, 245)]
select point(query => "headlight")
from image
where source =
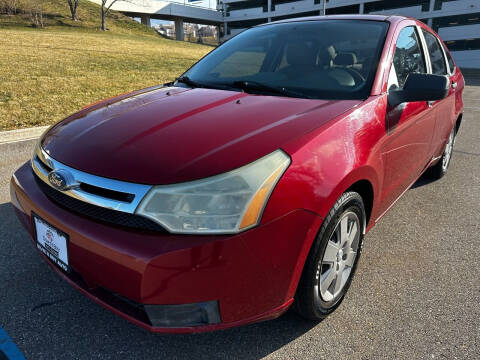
[(226, 203), (39, 141)]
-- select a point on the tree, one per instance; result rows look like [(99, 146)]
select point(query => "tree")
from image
[(73, 5), (9, 7), (106, 6), (35, 10)]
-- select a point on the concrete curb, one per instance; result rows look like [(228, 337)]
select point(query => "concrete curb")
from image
[(13, 136)]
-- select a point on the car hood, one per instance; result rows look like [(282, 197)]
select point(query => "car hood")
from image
[(175, 134)]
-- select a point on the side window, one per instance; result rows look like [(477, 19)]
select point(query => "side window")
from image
[(407, 59), (436, 54), (451, 64)]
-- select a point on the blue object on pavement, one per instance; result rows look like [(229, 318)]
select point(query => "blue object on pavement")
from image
[(8, 349)]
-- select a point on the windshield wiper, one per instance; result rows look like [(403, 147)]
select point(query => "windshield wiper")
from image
[(194, 84), (187, 81), (247, 85)]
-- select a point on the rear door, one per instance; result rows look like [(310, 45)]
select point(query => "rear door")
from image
[(410, 126), (445, 108), (457, 82)]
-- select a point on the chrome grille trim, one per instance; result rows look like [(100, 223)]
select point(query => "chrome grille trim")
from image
[(137, 190)]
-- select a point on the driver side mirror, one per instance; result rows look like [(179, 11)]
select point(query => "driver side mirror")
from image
[(420, 87)]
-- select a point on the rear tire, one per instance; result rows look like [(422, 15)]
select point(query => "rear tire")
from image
[(439, 170), (332, 260)]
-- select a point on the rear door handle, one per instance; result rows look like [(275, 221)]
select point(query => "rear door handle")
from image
[(454, 84)]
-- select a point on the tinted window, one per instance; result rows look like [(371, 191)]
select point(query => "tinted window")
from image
[(407, 59), (333, 59), (436, 54), (241, 63), (451, 65)]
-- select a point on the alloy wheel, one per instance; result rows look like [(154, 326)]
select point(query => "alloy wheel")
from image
[(447, 155), (335, 268)]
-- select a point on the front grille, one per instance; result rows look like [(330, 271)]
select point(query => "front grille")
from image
[(111, 194), (98, 213), (95, 190)]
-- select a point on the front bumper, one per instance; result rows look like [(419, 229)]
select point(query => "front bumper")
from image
[(251, 276)]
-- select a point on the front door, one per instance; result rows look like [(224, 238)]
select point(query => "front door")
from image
[(410, 126)]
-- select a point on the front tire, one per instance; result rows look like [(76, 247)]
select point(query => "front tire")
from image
[(332, 261)]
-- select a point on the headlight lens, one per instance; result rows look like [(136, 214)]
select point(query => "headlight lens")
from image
[(226, 203)]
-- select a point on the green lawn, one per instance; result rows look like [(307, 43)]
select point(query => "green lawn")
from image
[(47, 74)]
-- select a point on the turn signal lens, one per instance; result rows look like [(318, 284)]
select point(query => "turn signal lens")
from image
[(255, 208)]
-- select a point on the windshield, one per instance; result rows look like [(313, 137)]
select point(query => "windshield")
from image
[(324, 59)]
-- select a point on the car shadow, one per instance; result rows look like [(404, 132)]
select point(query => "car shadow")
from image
[(37, 299), (423, 180)]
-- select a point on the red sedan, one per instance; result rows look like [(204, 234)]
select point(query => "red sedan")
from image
[(248, 184)]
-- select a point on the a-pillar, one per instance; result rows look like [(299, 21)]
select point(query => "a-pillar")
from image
[(146, 20), (179, 34)]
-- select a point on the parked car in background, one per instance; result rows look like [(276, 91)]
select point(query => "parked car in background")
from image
[(246, 185)]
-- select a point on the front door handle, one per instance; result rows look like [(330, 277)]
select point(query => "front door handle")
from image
[(454, 84)]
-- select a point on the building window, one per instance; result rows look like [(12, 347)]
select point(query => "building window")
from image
[(298, 15), (379, 6), (240, 25), (455, 20), (463, 45), (352, 9), (439, 3), (245, 5), (278, 2)]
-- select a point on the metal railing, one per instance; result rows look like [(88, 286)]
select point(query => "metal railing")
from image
[(203, 4)]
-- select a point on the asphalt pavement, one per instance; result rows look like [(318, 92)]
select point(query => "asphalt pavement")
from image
[(416, 294)]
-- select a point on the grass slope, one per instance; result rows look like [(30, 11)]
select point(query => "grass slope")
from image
[(57, 16), (46, 74)]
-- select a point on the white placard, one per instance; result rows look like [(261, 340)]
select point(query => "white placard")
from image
[(52, 243)]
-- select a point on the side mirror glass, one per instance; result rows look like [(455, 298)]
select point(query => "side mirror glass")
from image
[(420, 87)]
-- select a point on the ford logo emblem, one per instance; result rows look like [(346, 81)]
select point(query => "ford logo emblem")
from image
[(61, 179)]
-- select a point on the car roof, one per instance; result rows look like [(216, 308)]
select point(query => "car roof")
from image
[(389, 18)]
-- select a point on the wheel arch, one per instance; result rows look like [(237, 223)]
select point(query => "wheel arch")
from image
[(365, 189), (364, 181)]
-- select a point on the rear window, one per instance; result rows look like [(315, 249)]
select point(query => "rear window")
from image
[(436, 54), (451, 64), (329, 59)]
